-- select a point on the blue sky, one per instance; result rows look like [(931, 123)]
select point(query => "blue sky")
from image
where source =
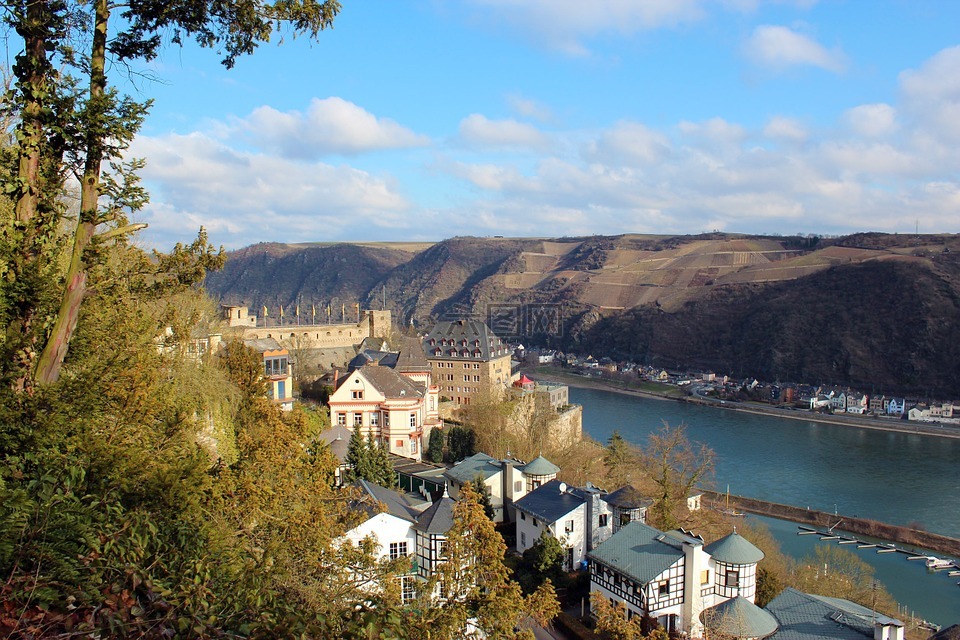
[(422, 120)]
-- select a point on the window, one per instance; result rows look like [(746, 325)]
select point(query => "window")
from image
[(625, 519), (603, 520), (518, 485), (375, 419), (341, 419), (408, 588), (413, 421), (535, 522), (398, 549), (358, 394), (413, 446), (275, 366), (523, 538), (523, 516), (441, 548), (386, 419), (705, 576), (399, 444), (358, 419), (733, 578), (664, 588), (568, 526)]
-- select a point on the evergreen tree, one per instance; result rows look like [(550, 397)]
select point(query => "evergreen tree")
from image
[(479, 485), (381, 468), (435, 446), (357, 456)]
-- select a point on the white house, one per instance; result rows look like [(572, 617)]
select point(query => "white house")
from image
[(671, 576), (506, 480), (577, 517)]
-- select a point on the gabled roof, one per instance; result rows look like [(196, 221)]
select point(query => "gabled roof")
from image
[(734, 549), (479, 464), (804, 616), (547, 504), (739, 618), (412, 358), (390, 383), (481, 342), (338, 437), (540, 466), (367, 356), (638, 551), (261, 345), (437, 518), (950, 633), (628, 497), (393, 501)]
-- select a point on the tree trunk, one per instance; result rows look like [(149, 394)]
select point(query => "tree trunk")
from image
[(55, 350)]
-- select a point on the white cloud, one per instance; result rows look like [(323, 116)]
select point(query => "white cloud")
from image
[(564, 24), (527, 108), (629, 143), (779, 47), (329, 126), (196, 181), (478, 130), (932, 94), (788, 129), (872, 120)]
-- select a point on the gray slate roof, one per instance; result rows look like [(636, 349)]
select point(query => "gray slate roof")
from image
[(479, 464), (540, 466), (734, 549), (739, 618), (804, 616), (950, 633), (393, 501), (411, 358), (437, 518), (638, 551), (478, 337), (263, 344), (547, 504), (338, 437), (390, 383), (365, 357), (628, 497)]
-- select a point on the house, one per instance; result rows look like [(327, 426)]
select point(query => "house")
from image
[(338, 439), (627, 505), (404, 530), (397, 410), (467, 360), (877, 404), (277, 370), (838, 402), (804, 616), (896, 407), (577, 517), (672, 576), (506, 481), (857, 403)]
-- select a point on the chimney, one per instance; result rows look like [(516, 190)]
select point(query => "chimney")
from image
[(336, 378)]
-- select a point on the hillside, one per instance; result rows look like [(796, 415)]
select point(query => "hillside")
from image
[(868, 308)]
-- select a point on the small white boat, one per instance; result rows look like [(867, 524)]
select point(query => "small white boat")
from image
[(936, 563)]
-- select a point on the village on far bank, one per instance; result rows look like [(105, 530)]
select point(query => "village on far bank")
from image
[(398, 400)]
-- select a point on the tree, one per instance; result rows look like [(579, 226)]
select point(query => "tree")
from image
[(836, 572), (676, 466), (618, 457), (435, 446), (479, 485), (612, 619), (461, 443), (545, 558), (369, 461), (68, 126)]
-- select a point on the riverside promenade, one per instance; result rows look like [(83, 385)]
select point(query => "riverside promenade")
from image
[(555, 374)]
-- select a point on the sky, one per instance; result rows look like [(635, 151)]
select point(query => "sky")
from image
[(420, 120)]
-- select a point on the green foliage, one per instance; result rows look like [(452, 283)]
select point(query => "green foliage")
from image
[(479, 485), (369, 461), (461, 443), (435, 446)]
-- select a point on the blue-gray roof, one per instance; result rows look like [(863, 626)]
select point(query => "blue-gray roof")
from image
[(393, 501), (734, 549), (804, 616), (338, 437), (639, 552), (479, 464), (547, 504), (739, 618), (628, 497), (540, 466), (437, 518)]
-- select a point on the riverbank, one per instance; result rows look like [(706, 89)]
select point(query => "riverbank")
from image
[(915, 538), (553, 374)]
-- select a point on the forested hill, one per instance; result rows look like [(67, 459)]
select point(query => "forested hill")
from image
[(875, 310)]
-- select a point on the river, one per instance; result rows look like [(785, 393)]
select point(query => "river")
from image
[(900, 478)]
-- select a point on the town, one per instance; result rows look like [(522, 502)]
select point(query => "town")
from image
[(402, 395)]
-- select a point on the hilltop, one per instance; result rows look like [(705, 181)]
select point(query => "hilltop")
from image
[(875, 309)]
